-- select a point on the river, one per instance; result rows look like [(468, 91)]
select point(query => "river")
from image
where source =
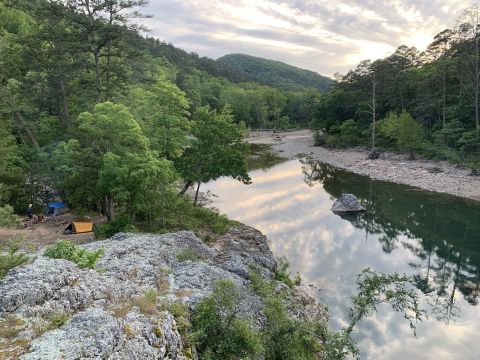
[(433, 238)]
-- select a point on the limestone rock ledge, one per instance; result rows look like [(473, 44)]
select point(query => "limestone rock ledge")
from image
[(178, 266)]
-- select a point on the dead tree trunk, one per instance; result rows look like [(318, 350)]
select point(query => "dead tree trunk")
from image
[(29, 132)]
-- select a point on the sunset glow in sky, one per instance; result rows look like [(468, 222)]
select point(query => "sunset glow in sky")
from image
[(320, 35)]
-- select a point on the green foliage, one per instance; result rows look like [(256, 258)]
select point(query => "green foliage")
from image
[(217, 150), (285, 337), (276, 73), (11, 258), (11, 168), (376, 288), (57, 320), (403, 130), (119, 224), (282, 274), (64, 249), (218, 332), (8, 218), (181, 314), (182, 214), (162, 112)]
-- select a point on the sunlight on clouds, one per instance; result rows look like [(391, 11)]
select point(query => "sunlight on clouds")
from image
[(368, 50), (320, 35)]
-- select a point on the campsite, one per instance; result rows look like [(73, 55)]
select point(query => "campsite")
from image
[(48, 232)]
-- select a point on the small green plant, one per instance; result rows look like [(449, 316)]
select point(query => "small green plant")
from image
[(8, 218), (282, 274), (188, 254), (57, 320), (181, 314), (11, 258), (64, 249), (147, 303)]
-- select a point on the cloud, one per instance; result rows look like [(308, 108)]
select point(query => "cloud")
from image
[(320, 35)]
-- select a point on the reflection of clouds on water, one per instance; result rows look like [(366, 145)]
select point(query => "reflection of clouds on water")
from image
[(329, 251)]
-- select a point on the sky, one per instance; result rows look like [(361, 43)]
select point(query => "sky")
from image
[(325, 36)]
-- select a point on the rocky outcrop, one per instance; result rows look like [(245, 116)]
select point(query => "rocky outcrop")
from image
[(347, 203), (106, 310)]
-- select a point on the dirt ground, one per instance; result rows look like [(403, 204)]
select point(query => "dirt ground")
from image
[(37, 236)]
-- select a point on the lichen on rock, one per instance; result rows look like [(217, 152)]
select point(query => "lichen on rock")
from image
[(111, 316)]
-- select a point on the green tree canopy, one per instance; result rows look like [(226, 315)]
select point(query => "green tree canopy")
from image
[(217, 149)]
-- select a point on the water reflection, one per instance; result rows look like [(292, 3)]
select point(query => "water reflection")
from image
[(446, 230), (434, 238)]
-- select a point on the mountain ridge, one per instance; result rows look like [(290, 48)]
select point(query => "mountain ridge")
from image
[(276, 73)]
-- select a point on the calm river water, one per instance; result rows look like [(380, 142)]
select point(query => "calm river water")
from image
[(434, 238)]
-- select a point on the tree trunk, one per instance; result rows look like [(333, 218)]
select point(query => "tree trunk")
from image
[(444, 120), (185, 187), (477, 124), (98, 80), (374, 108), (110, 205), (109, 51), (29, 132), (64, 119), (196, 194)]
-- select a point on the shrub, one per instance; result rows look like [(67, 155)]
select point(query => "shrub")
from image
[(183, 215), (319, 138), (285, 337), (8, 218), (64, 249), (219, 333), (11, 258), (120, 224), (282, 274)]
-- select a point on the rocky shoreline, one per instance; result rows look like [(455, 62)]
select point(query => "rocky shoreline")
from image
[(105, 316), (436, 176)]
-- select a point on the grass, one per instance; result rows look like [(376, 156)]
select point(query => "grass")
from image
[(10, 326), (188, 254), (147, 303), (50, 322)]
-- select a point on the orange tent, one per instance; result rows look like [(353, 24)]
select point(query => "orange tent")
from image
[(78, 228)]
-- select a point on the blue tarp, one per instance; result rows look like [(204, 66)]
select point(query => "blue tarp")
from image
[(57, 205)]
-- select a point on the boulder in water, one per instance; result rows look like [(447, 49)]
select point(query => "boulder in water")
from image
[(347, 203)]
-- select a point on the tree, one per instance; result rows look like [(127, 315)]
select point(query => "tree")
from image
[(469, 28), (404, 130), (110, 162), (161, 109), (217, 150), (11, 169), (100, 23)]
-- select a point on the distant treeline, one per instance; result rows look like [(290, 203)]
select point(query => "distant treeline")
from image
[(426, 102)]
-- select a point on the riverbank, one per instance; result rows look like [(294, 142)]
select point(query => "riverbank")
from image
[(436, 176)]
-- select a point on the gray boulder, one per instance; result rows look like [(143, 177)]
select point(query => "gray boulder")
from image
[(347, 203), (106, 316)]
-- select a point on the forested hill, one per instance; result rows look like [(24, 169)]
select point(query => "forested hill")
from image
[(187, 61), (276, 73)]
